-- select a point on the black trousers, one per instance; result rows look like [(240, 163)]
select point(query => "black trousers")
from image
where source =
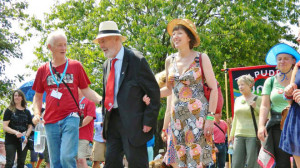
[(11, 150), (117, 145)]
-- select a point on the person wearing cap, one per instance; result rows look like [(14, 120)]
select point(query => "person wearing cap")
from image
[(61, 115), (273, 100), (191, 109), (128, 122), (289, 141)]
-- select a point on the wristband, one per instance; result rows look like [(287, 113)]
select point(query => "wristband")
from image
[(285, 97), (100, 102), (164, 130), (210, 118)]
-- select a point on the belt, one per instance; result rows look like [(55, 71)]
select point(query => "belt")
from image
[(74, 114), (219, 143)]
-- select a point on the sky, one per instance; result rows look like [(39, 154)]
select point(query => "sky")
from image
[(38, 8), (17, 66)]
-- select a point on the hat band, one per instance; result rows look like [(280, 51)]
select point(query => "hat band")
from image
[(109, 31)]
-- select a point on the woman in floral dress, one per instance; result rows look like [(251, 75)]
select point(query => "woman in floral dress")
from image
[(191, 114)]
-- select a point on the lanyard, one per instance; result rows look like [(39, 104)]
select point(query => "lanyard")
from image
[(81, 100), (62, 76)]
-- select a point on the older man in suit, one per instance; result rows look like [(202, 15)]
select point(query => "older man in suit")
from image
[(129, 123)]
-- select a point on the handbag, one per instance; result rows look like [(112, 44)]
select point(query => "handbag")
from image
[(258, 143), (284, 113), (207, 89)]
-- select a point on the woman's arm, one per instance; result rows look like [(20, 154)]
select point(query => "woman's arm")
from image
[(7, 129), (167, 91), (289, 89), (167, 118), (211, 82), (263, 116)]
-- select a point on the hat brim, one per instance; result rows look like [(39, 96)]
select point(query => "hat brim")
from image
[(106, 35), (280, 48), (176, 22)]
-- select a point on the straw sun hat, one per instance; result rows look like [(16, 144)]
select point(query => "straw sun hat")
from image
[(108, 28), (188, 24)]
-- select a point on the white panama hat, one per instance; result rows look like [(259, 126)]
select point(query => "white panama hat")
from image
[(108, 28)]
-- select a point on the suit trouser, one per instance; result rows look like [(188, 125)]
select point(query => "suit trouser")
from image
[(117, 145)]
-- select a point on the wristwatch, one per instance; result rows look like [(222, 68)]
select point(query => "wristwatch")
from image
[(211, 113)]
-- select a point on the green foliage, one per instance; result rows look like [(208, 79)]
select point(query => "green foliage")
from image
[(11, 10), (238, 32)]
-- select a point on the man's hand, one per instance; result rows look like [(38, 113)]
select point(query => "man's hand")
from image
[(146, 99), (146, 128), (36, 119)]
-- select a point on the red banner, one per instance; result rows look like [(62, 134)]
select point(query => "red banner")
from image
[(260, 74)]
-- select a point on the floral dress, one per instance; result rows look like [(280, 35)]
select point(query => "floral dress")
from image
[(188, 115)]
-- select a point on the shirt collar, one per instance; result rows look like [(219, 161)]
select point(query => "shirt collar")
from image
[(120, 54)]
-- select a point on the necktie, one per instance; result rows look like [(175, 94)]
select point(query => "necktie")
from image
[(110, 87)]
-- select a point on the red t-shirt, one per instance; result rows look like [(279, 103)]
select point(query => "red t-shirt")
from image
[(219, 136), (89, 109), (75, 77)]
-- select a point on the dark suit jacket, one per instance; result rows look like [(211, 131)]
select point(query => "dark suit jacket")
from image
[(136, 80)]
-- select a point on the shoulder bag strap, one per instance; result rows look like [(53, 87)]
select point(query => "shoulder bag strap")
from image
[(253, 117), (57, 73), (220, 128), (200, 63)]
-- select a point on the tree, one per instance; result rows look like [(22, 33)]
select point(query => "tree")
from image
[(239, 32), (9, 41)]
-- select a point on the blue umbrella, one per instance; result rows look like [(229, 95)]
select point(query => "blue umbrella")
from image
[(29, 93)]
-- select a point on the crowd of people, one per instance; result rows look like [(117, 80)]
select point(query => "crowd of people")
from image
[(195, 134)]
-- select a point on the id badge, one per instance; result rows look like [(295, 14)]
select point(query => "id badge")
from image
[(56, 94)]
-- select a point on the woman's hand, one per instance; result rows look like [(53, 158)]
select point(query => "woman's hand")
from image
[(208, 129), (262, 133), (171, 78), (25, 140), (230, 140), (164, 135), (296, 95), (18, 134), (288, 90)]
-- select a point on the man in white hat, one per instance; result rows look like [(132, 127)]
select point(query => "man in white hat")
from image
[(128, 122)]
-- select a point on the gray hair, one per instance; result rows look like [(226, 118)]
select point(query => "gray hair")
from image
[(53, 35), (248, 79)]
